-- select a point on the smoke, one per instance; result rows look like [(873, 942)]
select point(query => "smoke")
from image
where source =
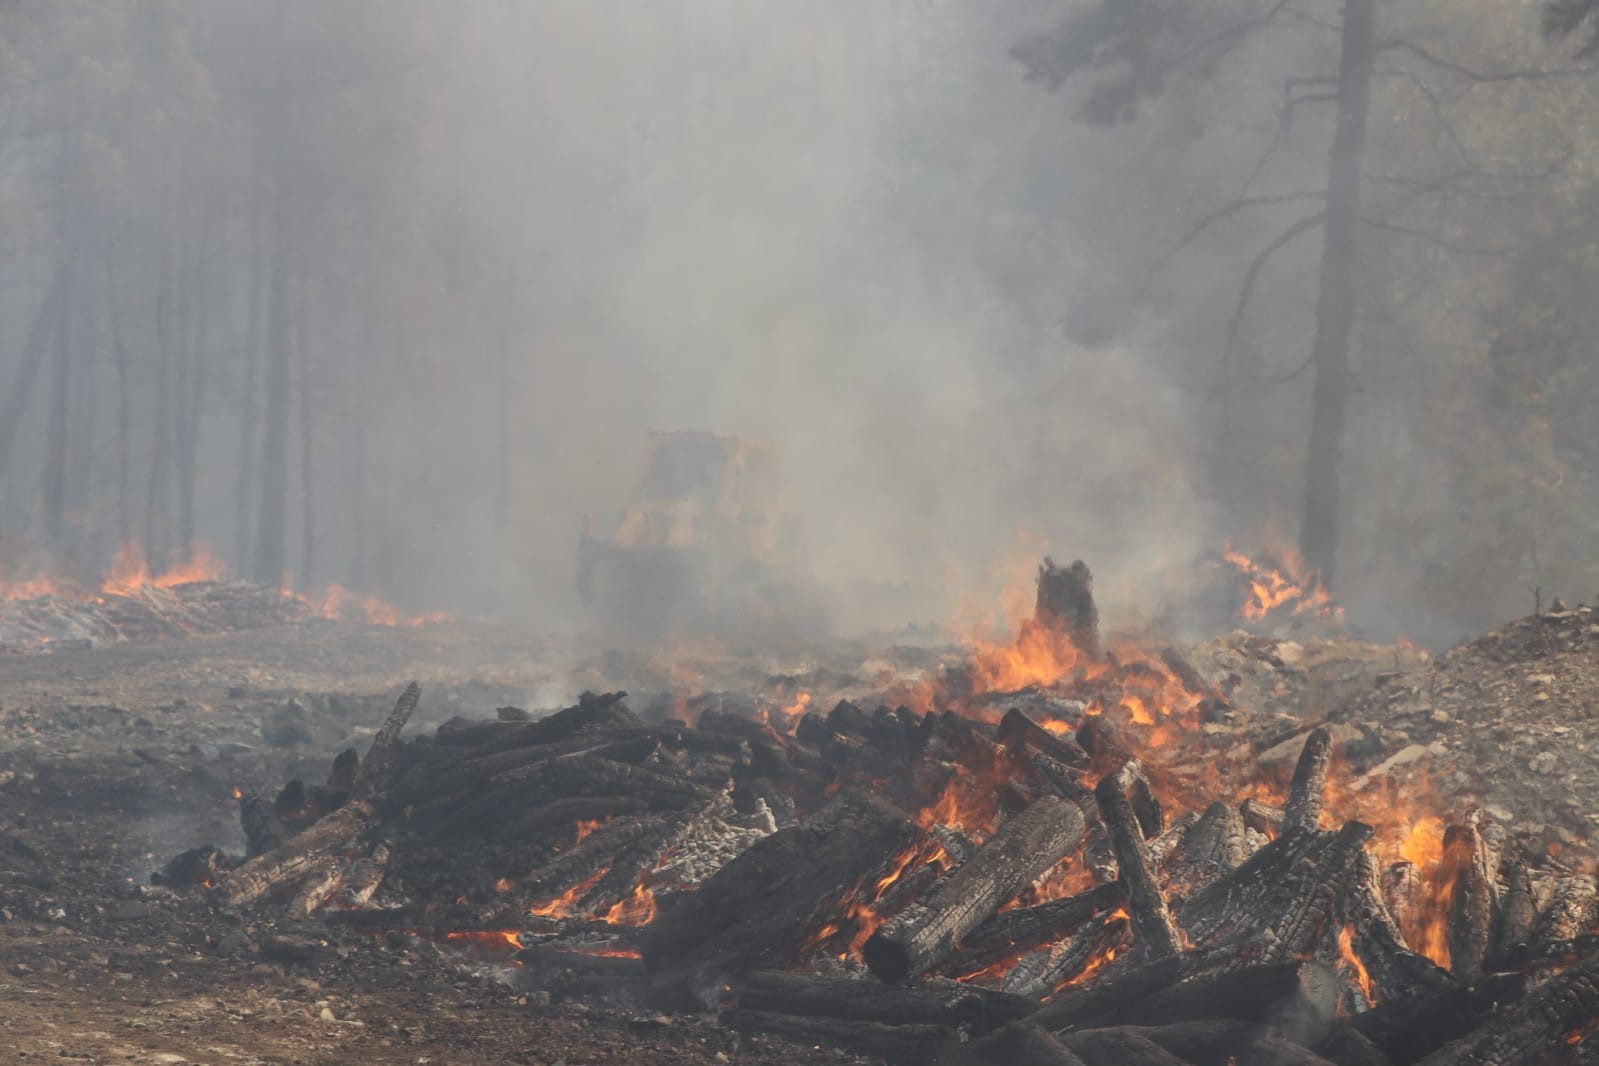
[(839, 228), (520, 236)]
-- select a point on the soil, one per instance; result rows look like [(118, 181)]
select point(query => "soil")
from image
[(114, 759)]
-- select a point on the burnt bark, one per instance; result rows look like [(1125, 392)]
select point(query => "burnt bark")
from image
[(1309, 783), (1007, 933), (1023, 849), (1152, 918), (305, 854), (760, 909), (1535, 1029), (1065, 604), (1335, 300)]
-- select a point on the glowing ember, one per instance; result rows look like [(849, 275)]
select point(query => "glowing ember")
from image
[(1280, 582), (344, 605), (130, 573), (566, 904), (1351, 964), (637, 909), (497, 940)]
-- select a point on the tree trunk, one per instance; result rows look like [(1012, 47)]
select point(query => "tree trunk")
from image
[(1335, 303), (156, 501), (39, 336), (55, 463), (119, 359), (364, 360), (247, 402), (273, 518), (190, 387), (302, 346)]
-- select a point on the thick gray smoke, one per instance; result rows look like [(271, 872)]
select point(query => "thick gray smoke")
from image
[(494, 244)]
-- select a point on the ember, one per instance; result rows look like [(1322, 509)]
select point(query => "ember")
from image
[(1077, 859)]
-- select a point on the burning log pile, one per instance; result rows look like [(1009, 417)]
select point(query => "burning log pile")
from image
[(41, 614), (961, 885)]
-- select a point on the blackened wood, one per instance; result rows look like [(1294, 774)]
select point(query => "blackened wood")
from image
[(1410, 1028), (1207, 1043), (1164, 846), (1533, 1030), (1309, 783), (1275, 1051), (1519, 912), (1001, 1008), (1100, 1003), (1397, 972), (1350, 1047), (594, 714), (1152, 919), (1018, 728), (590, 856), (1300, 999), (364, 876), (1185, 671), (762, 907), (1238, 900), (263, 829), (1065, 604), (1306, 900), (316, 888), (1262, 817), (912, 1045), (1213, 847), (1045, 972), (304, 853), (781, 992), (1022, 850), (1473, 899), (1572, 910), (1119, 1047), (1020, 1044), (1010, 932), (374, 775)]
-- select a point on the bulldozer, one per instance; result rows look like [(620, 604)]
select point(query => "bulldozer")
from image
[(708, 545)]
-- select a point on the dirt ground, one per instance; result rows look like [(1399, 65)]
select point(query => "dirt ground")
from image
[(114, 759)]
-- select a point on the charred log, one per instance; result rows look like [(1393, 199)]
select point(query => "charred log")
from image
[(1532, 1030), (1005, 934), (1023, 849), (1309, 782), (1065, 604), (760, 908), (1151, 917)]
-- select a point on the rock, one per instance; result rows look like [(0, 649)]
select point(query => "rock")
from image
[(286, 726), (294, 950), (1545, 762)]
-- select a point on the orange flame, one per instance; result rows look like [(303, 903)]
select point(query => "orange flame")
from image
[(637, 909), (130, 572), (1281, 581), (565, 905), (345, 605), (499, 940), (1352, 964)]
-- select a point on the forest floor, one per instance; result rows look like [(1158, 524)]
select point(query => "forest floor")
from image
[(114, 759)]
